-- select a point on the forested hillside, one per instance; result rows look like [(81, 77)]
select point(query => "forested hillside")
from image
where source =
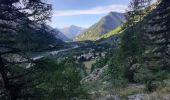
[(143, 55), (125, 56)]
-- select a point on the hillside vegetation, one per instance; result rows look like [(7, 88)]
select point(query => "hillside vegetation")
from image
[(113, 60), (116, 31), (142, 59), (105, 25)]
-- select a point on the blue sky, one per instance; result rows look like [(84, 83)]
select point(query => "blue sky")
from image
[(83, 13)]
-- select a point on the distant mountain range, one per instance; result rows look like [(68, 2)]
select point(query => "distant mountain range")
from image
[(105, 25), (58, 33), (72, 31), (62, 36)]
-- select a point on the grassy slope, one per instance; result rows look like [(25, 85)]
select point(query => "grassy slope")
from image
[(116, 31), (88, 65), (105, 25)]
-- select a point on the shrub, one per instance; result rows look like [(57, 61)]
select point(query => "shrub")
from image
[(150, 78), (117, 69), (62, 79)]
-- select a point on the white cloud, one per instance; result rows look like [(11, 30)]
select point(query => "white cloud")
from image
[(92, 11)]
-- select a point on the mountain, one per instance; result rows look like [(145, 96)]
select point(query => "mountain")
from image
[(105, 25), (72, 31), (62, 36), (58, 33)]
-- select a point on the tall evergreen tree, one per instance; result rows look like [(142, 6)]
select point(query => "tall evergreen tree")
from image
[(132, 43), (136, 12), (17, 18), (159, 35)]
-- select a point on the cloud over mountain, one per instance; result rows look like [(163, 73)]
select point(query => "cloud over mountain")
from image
[(91, 11)]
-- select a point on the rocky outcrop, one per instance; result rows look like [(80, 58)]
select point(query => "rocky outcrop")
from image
[(139, 97), (95, 75)]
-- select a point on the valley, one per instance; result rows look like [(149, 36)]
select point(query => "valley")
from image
[(121, 55)]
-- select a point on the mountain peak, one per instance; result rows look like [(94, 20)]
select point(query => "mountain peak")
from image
[(73, 26), (105, 25), (112, 13), (72, 31)]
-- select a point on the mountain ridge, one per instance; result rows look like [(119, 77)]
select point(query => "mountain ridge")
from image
[(58, 33), (72, 31), (105, 25)]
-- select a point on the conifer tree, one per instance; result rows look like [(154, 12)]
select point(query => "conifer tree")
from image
[(159, 35), (136, 12), (18, 17)]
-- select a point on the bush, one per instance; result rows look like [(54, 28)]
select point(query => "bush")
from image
[(143, 75), (102, 61), (150, 78), (62, 79), (117, 69)]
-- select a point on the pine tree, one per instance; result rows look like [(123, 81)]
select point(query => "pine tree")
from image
[(159, 35), (136, 11), (16, 18)]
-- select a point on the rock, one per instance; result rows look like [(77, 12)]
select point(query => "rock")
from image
[(165, 98), (135, 67), (95, 75), (111, 97), (139, 97)]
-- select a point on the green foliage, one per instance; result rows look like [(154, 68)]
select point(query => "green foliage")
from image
[(62, 79), (99, 64), (131, 49), (36, 39), (132, 44), (116, 31), (134, 51), (117, 69), (136, 12), (149, 77), (130, 53), (105, 25), (159, 46), (143, 75), (102, 61)]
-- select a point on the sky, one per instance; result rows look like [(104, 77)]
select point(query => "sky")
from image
[(83, 13)]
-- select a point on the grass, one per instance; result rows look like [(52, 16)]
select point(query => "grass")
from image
[(133, 89), (88, 65), (162, 91), (95, 37), (116, 31)]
